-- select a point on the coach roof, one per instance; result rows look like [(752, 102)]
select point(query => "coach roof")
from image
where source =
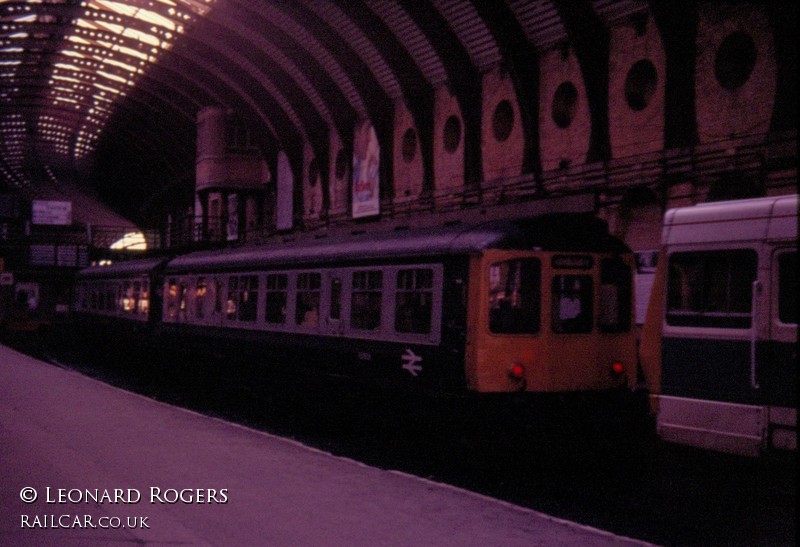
[(740, 220), (552, 231), (127, 268), (365, 246)]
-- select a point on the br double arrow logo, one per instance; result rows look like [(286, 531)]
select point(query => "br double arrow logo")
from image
[(410, 360)]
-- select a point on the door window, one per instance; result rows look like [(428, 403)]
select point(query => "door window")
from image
[(787, 288), (276, 298), (307, 308), (711, 288), (413, 300), (365, 304)]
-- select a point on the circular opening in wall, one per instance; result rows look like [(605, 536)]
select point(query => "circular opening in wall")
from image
[(341, 164), (313, 172), (735, 60), (452, 134), (565, 102), (640, 84), (409, 149), (503, 120)]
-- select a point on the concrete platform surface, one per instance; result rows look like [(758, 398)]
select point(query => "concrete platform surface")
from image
[(83, 463)]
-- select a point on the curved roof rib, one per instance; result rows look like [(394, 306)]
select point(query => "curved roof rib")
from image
[(110, 89)]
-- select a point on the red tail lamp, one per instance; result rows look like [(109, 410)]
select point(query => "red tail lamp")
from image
[(517, 371)]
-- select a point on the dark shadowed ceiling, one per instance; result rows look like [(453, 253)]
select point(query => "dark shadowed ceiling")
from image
[(104, 94)]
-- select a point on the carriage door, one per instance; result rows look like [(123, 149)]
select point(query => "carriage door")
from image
[(714, 323), (777, 362), (711, 325), (333, 319), (504, 324)]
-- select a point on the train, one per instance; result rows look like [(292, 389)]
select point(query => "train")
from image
[(528, 307), (521, 309), (518, 308), (719, 344)]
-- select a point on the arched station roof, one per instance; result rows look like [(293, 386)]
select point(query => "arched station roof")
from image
[(106, 92)]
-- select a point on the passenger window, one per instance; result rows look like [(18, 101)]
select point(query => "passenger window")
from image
[(82, 297), (365, 304), (336, 298), (137, 291), (307, 308), (572, 304), (172, 298), (144, 298), (615, 296), (242, 298), (112, 297), (247, 297), (276, 298), (200, 297), (413, 301), (182, 304), (514, 296), (711, 288), (233, 291), (101, 297), (127, 304), (787, 288), (218, 286)]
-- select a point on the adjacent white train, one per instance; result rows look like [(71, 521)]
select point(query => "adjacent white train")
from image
[(719, 346)]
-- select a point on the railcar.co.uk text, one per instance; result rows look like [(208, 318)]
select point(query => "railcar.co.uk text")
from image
[(97, 496)]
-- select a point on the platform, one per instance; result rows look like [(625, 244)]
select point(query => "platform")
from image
[(109, 467)]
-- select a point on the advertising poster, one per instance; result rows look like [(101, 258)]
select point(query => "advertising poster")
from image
[(366, 166)]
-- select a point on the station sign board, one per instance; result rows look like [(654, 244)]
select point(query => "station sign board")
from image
[(53, 213)]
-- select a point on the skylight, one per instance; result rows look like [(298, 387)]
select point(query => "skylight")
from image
[(104, 47)]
